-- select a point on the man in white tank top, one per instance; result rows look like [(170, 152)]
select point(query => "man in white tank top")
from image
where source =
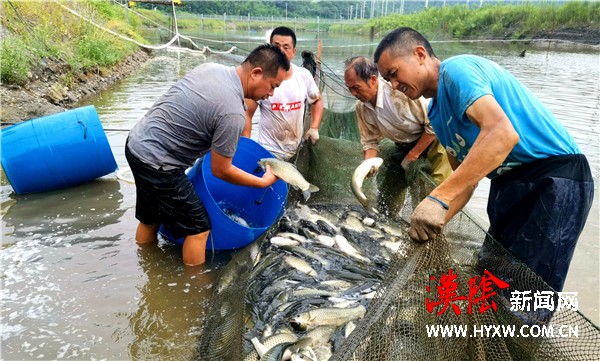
[(281, 124)]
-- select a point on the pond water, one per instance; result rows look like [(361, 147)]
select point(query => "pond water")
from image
[(75, 284)]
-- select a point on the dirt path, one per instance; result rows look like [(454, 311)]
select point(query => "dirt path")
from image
[(44, 93)]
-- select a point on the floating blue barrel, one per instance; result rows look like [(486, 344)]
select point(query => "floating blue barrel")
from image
[(226, 203), (56, 151)]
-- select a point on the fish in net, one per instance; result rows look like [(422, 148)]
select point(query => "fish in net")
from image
[(403, 304)]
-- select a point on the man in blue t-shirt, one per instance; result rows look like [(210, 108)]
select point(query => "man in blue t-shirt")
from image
[(492, 125)]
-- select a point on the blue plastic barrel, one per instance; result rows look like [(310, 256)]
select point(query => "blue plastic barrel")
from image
[(258, 207), (56, 151)]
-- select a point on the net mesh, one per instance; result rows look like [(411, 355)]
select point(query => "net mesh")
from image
[(396, 322)]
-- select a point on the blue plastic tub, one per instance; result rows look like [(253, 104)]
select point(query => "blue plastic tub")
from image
[(258, 207), (56, 151)]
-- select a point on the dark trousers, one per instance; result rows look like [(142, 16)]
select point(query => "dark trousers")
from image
[(538, 210)]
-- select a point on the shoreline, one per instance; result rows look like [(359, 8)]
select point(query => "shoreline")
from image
[(45, 92)]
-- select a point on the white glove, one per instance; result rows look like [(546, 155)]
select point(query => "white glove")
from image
[(427, 220), (312, 134)]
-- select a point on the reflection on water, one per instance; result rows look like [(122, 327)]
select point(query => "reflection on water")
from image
[(75, 284), (62, 216), (156, 325)]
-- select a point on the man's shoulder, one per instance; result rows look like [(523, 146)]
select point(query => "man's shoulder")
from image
[(211, 70), (363, 110), (466, 63), (302, 72)]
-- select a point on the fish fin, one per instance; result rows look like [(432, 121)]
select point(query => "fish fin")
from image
[(313, 188), (306, 194), (259, 347)]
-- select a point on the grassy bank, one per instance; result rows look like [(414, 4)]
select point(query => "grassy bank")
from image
[(34, 32), (459, 22), (489, 22)]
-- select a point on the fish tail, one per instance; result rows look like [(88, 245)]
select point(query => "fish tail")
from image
[(306, 194)]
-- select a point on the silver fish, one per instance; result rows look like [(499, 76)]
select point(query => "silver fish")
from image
[(348, 249), (359, 175), (350, 326), (277, 352), (288, 173), (283, 241), (326, 240), (261, 348), (306, 253), (300, 264), (294, 236), (326, 316)]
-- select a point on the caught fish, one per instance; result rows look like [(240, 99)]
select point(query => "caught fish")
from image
[(293, 236), (337, 283), (306, 253), (348, 249), (272, 341), (300, 264), (321, 335), (326, 316), (283, 241), (359, 175), (278, 352), (312, 292), (289, 174), (325, 240), (341, 302), (369, 222), (236, 218), (350, 326)]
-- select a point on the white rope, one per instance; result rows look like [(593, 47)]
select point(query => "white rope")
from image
[(186, 50), (175, 18), (117, 34), (191, 41), (121, 175), (220, 52)]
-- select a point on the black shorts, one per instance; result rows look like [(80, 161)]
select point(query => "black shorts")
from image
[(167, 197)]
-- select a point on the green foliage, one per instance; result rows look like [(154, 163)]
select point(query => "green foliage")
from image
[(492, 21), (105, 8), (49, 31), (301, 9), (94, 51), (14, 60)]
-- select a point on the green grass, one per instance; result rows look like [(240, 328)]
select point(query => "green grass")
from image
[(45, 30), (492, 21), (38, 30), (15, 63)]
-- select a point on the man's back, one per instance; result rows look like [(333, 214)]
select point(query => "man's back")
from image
[(196, 112)]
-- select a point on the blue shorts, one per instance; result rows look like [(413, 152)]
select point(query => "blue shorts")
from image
[(167, 197)]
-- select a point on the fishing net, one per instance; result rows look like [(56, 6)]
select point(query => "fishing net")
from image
[(396, 324), (408, 306)]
